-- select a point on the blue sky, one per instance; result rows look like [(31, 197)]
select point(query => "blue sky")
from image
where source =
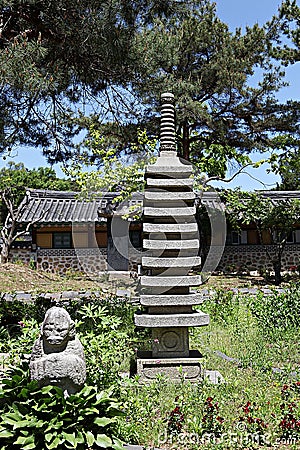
[(236, 13)]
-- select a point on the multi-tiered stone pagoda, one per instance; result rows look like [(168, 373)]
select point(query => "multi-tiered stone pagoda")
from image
[(171, 244)]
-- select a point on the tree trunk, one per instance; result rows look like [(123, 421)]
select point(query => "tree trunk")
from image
[(4, 253), (277, 271), (185, 141)]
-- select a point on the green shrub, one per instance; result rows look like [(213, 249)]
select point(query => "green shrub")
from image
[(108, 343), (277, 313), (34, 418), (222, 307)]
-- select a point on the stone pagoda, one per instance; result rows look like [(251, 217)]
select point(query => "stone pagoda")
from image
[(171, 248)]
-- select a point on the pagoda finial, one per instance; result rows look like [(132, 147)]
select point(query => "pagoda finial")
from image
[(167, 124)]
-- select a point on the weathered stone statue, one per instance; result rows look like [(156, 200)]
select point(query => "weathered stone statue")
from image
[(57, 356)]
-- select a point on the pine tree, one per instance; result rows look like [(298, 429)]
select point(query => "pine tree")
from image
[(224, 84), (55, 56)]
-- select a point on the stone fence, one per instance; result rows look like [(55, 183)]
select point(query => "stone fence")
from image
[(243, 257), (122, 293), (254, 258)]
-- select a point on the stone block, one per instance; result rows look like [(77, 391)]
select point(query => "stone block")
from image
[(169, 212), (214, 376), (174, 368), (195, 319), (163, 195), (177, 261), (170, 182), (171, 281), (170, 228), (171, 300), (170, 342)]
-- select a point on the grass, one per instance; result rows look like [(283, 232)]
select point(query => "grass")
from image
[(19, 277)]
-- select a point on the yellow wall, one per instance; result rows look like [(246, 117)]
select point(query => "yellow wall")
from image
[(81, 240), (44, 240)]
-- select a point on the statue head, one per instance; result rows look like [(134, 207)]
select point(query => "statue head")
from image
[(57, 328)]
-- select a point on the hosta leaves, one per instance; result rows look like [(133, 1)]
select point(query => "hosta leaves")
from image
[(90, 439), (117, 444), (24, 424), (10, 418), (80, 438), (4, 434), (70, 438), (103, 441), (55, 443), (29, 446), (25, 440), (103, 421)]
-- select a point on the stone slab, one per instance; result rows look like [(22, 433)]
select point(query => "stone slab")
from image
[(177, 261), (195, 319), (169, 196), (171, 281), (171, 169), (185, 211), (170, 227), (171, 300), (164, 244), (174, 368), (170, 182)]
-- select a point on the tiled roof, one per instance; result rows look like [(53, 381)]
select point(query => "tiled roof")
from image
[(65, 207), (58, 207), (280, 195)]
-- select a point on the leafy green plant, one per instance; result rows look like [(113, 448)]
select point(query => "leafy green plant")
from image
[(107, 342), (277, 313), (222, 307), (34, 418)]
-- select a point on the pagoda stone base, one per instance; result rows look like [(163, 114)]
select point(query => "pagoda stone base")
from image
[(170, 342), (148, 367)]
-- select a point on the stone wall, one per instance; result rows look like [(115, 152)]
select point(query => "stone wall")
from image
[(22, 255), (88, 260), (253, 257), (235, 258)]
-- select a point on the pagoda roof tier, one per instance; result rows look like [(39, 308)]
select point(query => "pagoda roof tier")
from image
[(170, 227), (194, 319), (171, 299), (178, 262), (169, 212), (169, 196), (153, 244), (175, 171), (170, 281), (170, 182)]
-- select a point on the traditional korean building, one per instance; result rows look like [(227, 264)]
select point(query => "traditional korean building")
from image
[(69, 233)]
